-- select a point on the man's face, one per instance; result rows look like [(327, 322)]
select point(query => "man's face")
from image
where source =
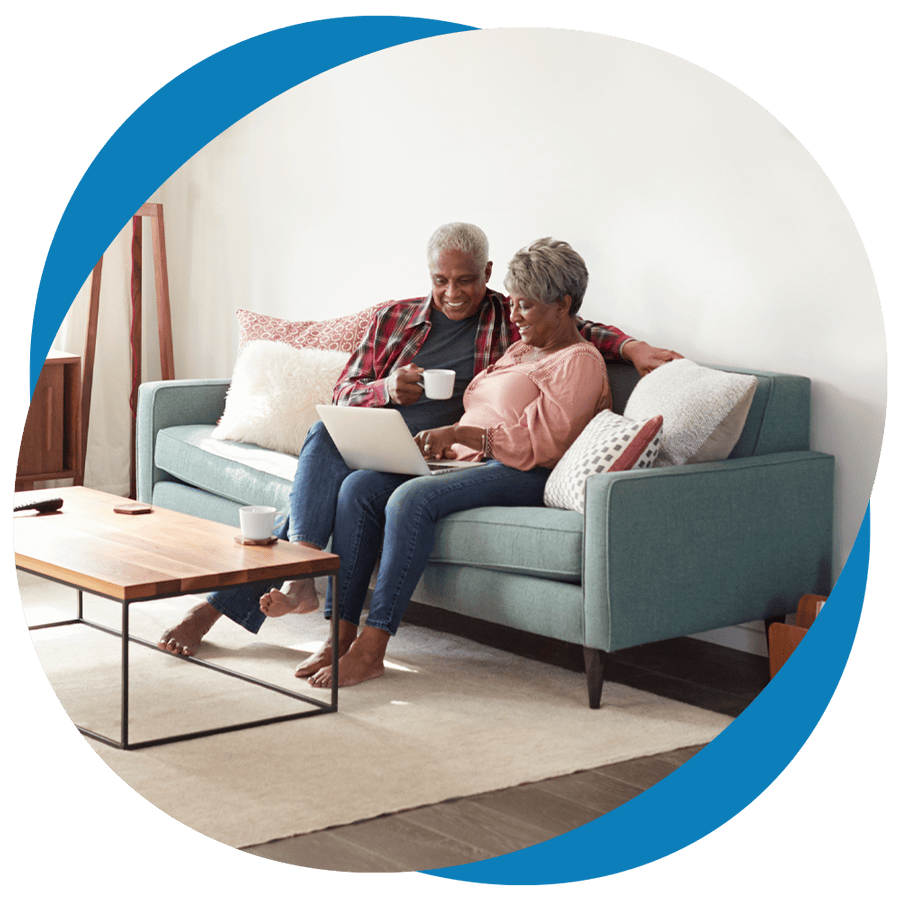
[(458, 285)]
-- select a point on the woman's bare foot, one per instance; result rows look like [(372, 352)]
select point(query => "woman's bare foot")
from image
[(322, 657), (295, 597), (184, 639), (363, 661)]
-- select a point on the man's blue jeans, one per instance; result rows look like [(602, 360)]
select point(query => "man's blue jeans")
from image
[(310, 517)]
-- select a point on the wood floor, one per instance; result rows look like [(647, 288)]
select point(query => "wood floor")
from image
[(468, 829)]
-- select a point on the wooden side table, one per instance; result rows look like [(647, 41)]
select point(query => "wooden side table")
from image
[(51, 442), (784, 639)]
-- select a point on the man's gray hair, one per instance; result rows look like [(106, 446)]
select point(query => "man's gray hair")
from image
[(469, 239), (547, 270)]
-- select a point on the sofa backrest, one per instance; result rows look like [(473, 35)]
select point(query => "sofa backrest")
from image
[(779, 415)]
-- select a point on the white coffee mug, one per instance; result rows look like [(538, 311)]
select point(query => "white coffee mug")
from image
[(439, 383), (257, 522)]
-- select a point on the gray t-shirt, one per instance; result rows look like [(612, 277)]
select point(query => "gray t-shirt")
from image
[(449, 345)]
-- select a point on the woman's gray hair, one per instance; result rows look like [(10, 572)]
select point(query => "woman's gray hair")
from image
[(547, 270), (461, 236)]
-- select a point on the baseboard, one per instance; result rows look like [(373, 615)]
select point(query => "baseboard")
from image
[(748, 638)]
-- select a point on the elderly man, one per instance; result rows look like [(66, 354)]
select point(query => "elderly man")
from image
[(462, 325)]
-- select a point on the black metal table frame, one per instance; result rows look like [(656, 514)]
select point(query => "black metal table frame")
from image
[(123, 743)]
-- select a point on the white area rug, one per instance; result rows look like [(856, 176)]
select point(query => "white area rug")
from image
[(450, 718)]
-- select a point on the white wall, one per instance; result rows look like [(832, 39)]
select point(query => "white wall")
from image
[(705, 225)]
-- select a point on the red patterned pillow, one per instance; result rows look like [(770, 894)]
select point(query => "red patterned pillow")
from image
[(342, 334)]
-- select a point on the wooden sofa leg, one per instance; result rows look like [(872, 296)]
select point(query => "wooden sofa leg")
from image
[(594, 663)]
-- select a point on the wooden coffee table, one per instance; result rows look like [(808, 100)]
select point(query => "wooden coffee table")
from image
[(137, 558)]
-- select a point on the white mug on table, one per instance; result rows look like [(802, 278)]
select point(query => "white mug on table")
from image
[(257, 522)]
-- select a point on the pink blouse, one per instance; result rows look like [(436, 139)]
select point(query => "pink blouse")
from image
[(534, 410)]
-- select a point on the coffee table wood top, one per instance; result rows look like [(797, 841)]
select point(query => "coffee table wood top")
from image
[(162, 553)]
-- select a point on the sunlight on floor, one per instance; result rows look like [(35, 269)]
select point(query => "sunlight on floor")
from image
[(40, 615), (44, 612), (307, 646), (312, 646), (397, 667)]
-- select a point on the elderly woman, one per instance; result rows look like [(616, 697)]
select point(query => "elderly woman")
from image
[(521, 414)]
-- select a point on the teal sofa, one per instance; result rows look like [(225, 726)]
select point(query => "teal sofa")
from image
[(658, 553)]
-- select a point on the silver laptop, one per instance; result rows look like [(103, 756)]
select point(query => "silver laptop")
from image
[(377, 438)]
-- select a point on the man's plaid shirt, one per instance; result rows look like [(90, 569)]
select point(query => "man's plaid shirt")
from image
[(399, 329)]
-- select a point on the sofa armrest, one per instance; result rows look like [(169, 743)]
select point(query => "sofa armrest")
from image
[(162, 404), (684, 549)]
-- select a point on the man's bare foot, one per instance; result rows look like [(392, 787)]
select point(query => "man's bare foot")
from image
[(185, 637), (296, 597), (322, 657), (363, 661)]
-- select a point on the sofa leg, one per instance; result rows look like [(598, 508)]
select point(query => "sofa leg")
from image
[(594, 663)]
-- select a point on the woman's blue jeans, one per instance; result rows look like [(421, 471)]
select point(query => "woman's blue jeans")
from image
[(320, 473), (366, 512), (398, 515)]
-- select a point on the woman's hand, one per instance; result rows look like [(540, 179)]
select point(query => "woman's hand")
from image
[(435, 443)]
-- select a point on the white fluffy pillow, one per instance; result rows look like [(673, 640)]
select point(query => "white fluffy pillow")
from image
[(703, 410), (609, 443), (273, 394)]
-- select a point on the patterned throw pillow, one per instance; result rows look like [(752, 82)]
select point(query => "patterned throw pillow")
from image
[(704, 410), (609, 443), (343, 334)]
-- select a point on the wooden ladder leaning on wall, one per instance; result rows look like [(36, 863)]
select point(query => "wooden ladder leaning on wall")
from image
[(154, 212)]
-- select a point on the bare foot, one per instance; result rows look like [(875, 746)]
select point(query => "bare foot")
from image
[(185, 637), (297, 597), (362, 662), (322, 657)]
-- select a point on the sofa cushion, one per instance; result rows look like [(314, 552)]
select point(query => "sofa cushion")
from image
[(545, 543), (609, 443), (240, 472), (703, 410), (273, 394)]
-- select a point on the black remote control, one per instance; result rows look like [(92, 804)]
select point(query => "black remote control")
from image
[(41, 506)]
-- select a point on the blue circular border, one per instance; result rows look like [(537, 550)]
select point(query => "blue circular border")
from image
[(183, 117)]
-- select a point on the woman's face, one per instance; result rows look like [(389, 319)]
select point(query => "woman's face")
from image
[(538, 322)]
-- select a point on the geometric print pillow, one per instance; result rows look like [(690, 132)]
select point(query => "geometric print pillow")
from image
[(609, 443)]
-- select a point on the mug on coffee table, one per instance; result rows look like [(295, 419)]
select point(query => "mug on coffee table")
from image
[(257, 522)]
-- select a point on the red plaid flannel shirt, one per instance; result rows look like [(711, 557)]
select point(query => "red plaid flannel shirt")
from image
[(399, 329)]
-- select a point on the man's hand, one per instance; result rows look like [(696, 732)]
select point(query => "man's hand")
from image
[(646, 358), (404, 386)]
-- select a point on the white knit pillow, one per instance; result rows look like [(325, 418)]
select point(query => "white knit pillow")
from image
[(704, 410), (609, 443), (273, 394)]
